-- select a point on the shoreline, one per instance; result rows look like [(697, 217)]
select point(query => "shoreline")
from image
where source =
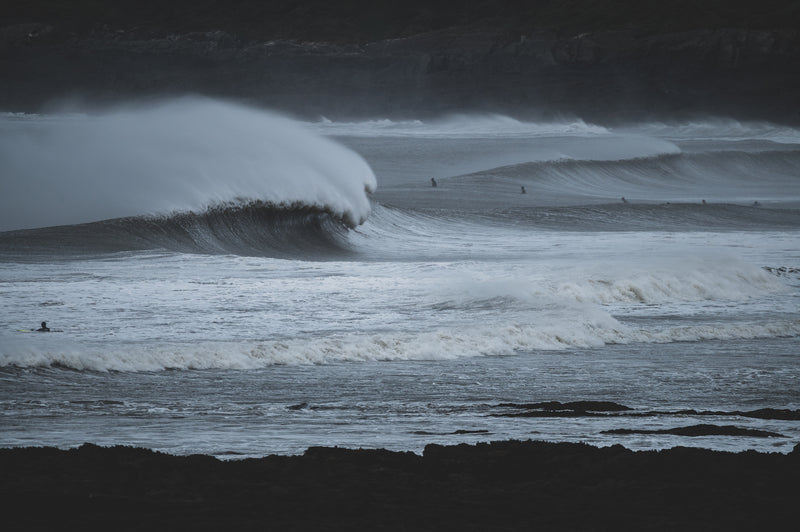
[(502, 485)]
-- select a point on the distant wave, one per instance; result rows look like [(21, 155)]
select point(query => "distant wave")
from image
[(459, 126), (252, 228), (686, 217), (721, 129), (502, 126), (719, 176), (185, 155)]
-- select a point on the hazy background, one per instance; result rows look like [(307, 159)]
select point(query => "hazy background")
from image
[(613, 60)]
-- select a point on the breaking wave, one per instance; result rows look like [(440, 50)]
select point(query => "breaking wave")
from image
[(250, 229), (178, 156), (443, 344), (583, 307), (459, 127), (725, 176)]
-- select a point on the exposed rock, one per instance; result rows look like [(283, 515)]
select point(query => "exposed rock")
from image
[(508, 485), (608, 409), (762, 413), (454, 433), (702, 430), (579, 406)]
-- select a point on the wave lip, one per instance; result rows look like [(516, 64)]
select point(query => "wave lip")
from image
[(184, 155)]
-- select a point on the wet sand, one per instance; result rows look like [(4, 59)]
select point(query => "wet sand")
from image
[(507, 485)]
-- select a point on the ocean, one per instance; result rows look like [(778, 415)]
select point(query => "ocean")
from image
[(230, 281)]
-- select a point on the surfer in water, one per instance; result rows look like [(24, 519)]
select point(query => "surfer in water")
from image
[(523, 191), (433, 182), (624, 200), (43, 328)]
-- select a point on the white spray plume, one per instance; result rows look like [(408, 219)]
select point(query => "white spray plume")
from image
[(178, 155)]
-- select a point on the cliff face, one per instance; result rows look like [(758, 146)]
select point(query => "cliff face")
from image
[(605, 75)]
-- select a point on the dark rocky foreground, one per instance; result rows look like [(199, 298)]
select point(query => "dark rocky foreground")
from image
[(611, 60), (499, 486)]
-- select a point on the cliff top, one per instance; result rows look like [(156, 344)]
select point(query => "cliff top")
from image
[(346, 21)]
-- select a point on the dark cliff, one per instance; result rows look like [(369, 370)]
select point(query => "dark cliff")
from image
[(613, 60)]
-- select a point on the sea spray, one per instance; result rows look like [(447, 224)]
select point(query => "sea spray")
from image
[(188, 154), (446, 303), (462, 126)]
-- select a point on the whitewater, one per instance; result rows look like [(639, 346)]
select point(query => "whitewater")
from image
[(231, 281)]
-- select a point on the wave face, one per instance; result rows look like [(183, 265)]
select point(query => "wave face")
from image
[(186, 155), (692, 191), (734, 176), (204, 176), (247, 229), (673, 177)]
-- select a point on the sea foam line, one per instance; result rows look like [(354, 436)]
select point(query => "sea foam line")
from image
[(444, 344)]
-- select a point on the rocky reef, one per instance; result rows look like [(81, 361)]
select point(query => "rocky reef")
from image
[(509, 485)]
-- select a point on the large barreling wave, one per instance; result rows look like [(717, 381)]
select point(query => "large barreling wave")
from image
[(191, 174), (249, 228)]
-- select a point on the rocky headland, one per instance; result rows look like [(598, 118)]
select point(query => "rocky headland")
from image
[(604, 61)]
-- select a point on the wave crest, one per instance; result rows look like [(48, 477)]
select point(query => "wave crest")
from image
[(182, 155), (460, 126)]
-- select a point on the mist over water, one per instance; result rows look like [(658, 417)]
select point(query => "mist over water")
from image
[(182, 155)]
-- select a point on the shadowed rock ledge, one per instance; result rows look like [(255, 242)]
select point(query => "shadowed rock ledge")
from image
[(507, 485)]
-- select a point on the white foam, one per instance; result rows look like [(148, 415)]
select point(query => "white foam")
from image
[(720, 129), (179, 155), (684, 279), (464, 126), (461, 309), (442, 344)]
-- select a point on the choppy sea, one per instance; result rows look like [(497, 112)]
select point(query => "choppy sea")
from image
[(225, 280)]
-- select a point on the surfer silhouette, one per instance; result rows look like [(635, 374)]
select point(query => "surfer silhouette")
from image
[(624, 200), (523, 191), (433, 182), (44, 328)]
